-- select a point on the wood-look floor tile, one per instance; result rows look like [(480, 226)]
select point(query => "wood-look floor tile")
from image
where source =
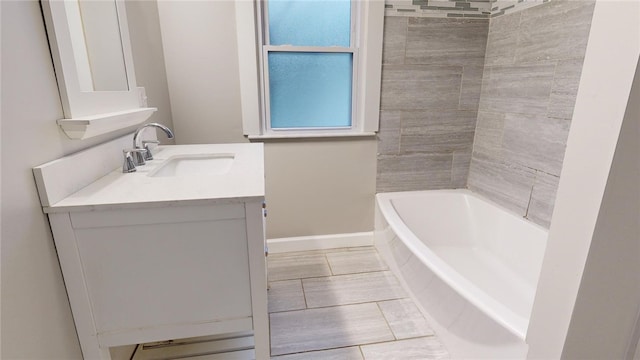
[(405, 319), (350, 353), (411, 349), (351, 262), (287, 267), (327, 328), (286, 295), (352, 289)]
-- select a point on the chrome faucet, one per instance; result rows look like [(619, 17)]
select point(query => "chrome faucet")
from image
[(140, 152), (142, 156)]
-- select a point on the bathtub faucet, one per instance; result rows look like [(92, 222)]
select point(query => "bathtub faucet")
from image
[(142, 156)]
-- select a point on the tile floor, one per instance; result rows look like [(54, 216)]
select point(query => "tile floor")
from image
[(344, 304)]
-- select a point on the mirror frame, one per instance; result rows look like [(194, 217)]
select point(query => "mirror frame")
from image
[(92, 113)]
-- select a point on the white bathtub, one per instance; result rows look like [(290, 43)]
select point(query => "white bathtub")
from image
[(471, 265)]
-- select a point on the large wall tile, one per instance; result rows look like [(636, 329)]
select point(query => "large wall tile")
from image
[(429, 73), (429, 101), (537, 142), (488, 135), (471, 87), (507, 184), (530, 81), (565, 88), (518, 89), (414, 172), (460, 168), (446, 41), (420, 87), (438, 131), (556, 31), (439, 119), (543, 198), (503, 39), (389, 133), (394, 40), (437, 141)]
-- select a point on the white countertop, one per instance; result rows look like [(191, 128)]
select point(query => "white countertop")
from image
[(244, 181)]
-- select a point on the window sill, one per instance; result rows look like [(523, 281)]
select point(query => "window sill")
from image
[(327, 135)]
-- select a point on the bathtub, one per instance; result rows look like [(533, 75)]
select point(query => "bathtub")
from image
[(470, 265)]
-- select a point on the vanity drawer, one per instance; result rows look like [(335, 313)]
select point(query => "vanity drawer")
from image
[(161, 215)]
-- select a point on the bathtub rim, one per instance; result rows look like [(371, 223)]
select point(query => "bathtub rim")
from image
[(503, 315)]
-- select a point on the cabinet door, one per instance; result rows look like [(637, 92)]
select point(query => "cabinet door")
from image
[(162, 273)]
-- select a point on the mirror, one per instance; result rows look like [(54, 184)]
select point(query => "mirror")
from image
[(91, 51), (97, 45)]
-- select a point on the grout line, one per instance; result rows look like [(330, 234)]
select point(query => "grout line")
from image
[(328, 276), (339, 305), (326, 259), (386, 320), (461, 86), (354, 345), (304, 295), (535, 178), (406, 41), (319, 350)]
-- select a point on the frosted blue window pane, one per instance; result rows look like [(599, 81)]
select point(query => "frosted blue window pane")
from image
[(310, 89), (310, 22)]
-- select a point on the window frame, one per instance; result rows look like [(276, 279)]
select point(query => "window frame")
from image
[(367, 17), (264, 60)]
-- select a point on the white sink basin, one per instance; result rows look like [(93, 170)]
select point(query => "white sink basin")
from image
[(189, 165)]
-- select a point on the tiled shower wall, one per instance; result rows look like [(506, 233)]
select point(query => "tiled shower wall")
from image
[(532, 71), (434, 103), (431, 81)]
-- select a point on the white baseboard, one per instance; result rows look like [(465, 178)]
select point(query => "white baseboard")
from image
[(319, 242)]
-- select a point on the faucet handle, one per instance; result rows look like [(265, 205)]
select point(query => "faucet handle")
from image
[(145, 144), (128, 166), (138, 155)]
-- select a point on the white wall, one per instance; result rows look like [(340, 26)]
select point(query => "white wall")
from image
[(602, 100), (609, 295), (148, 60), (200, 51), (313, 187), (36, 319)]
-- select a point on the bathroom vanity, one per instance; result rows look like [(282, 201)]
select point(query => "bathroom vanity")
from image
[(173, 250)]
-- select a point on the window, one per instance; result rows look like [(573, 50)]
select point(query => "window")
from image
[(318, 64), (308, 64)]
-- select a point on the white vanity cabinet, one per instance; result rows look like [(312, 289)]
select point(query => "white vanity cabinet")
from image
[(157, 270)]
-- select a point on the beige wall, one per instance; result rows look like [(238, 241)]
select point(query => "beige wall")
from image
[(36, 318), (314, 187), (320, 187)]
